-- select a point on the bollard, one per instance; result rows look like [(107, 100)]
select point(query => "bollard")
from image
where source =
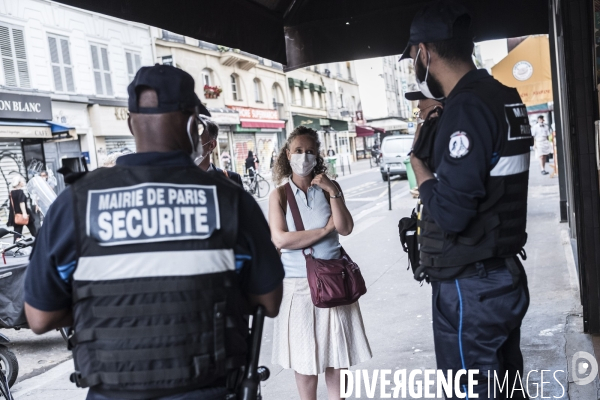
[(389, 188), (342, 165), (349, 168)]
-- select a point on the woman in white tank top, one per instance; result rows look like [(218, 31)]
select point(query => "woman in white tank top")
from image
[(308, 339)]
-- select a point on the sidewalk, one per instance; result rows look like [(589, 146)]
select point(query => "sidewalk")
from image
[(396, 309)]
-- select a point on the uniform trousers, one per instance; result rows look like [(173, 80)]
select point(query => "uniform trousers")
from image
[(476, 325)]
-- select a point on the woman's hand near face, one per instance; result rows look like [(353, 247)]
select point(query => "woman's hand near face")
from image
[(325, 183)]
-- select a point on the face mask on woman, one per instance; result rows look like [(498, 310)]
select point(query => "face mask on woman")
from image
[(303, 164)]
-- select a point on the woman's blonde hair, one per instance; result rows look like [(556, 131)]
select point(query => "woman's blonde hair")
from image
[(283, 170)]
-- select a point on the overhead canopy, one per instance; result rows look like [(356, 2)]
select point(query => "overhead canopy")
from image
[(366, 131), (527, 68), (299, 33)]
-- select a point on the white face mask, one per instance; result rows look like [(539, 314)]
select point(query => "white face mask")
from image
[(423, 86), (303, 164), (198, 152)]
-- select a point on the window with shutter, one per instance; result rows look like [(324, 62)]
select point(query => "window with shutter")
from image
[(101, 69), (14, 57), (134, 63), (60, 59)]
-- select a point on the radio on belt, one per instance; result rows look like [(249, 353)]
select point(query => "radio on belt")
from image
[(152, 212)]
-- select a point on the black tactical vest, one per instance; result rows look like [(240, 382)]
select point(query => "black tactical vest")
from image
[(498, 229), (157, 306)]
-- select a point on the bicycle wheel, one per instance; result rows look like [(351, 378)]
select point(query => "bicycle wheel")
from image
[(262, 188)]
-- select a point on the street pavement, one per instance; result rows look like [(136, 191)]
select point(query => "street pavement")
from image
[(397, 310)]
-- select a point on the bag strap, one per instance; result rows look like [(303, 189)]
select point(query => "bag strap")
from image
[(282, 199), (291, 199)]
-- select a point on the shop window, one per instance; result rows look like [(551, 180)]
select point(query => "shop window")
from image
[(14, 57), (134, 63), (257, 91), (101, 70), (60, 59), (235, 87)]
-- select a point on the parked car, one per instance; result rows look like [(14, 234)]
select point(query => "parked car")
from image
[(394, 150)]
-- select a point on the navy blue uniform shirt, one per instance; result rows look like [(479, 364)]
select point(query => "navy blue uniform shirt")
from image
[(453, 197), (54, 257)]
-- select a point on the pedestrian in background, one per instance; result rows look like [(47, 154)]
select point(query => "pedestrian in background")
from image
[(543, 147), (251, 165), (330, 152), (308, 339), (20, 215)]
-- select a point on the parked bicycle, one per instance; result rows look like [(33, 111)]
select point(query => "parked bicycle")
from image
[(255, 184)]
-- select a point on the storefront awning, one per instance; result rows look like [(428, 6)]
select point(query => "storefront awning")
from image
[(58, 129), (262, 123), (33, 129), (527, 68), (366, 131)]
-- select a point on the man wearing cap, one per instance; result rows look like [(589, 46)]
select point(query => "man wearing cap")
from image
[(154, 262), (474, 210)]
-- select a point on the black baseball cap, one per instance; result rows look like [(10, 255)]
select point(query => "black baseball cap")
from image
[(174, 87), (434, 23), (414, 96)]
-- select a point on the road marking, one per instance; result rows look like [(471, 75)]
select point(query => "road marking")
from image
[(38, 382)]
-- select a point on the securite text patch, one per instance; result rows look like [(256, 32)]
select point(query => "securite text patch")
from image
[(152, 212)]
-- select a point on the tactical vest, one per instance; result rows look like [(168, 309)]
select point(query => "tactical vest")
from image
[(498, 229), (157, 306)]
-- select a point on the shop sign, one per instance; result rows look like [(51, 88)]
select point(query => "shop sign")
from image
[(225, 118), (121, 113), (522, 70), (17, 106), (30, 132), (255, 113)]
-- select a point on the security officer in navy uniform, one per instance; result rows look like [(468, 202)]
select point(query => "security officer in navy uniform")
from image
[(154, 262), (474, 209)]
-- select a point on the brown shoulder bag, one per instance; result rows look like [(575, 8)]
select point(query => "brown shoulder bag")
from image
[(19, 218), (336, 282)]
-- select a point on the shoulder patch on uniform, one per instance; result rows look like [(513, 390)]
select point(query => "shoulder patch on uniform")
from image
[(460, 144)]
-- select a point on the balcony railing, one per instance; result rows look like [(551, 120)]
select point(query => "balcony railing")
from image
[(172, 37)]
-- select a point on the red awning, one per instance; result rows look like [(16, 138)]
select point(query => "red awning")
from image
[(362, 131), (365, 131), (262, 123)]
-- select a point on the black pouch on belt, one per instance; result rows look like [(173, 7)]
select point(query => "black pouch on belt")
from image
[(407, 228)]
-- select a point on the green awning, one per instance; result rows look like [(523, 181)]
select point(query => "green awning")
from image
[(307, 121), (312, 87), (294, 82), (323, 89), (319, 123), (338, 125)]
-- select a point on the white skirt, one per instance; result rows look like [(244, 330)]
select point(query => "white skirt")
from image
[(308, 339), (543, 147)]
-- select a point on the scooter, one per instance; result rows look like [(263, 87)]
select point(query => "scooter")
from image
[(9, 368)]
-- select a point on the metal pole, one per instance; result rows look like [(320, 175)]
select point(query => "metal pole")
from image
[(341, 158), (349, 168), (389, 188)]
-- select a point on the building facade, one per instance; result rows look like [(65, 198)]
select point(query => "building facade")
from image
[(383, 83), (246, 95), (326, 98)]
